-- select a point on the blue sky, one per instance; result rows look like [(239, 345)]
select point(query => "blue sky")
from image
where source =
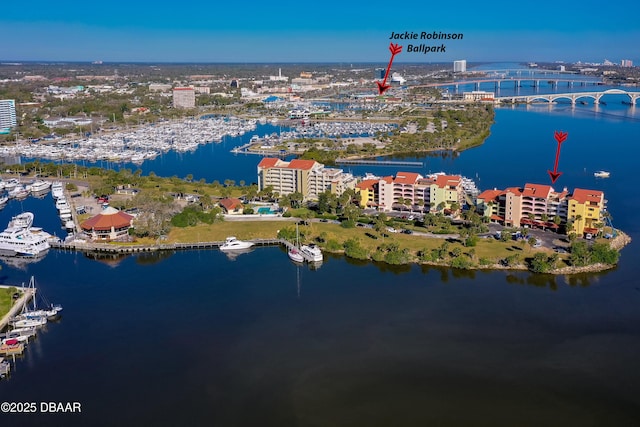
[(327, 30)]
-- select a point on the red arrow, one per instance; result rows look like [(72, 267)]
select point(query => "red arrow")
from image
[(560, 137), (395, 49)]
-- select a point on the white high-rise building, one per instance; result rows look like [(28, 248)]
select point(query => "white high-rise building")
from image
[(184, 97), (7, 114), (460, 66)]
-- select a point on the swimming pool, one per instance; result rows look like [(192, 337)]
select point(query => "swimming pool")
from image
[(265, 210)]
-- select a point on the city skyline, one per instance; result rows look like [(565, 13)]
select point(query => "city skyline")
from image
[(332, 32)]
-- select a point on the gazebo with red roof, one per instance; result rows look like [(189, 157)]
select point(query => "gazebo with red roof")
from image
[(110, 224)]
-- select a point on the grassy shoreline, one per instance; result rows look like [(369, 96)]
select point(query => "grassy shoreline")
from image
[(487, 254)]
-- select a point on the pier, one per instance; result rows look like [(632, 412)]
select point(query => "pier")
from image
[(132, 249), (379, 162)]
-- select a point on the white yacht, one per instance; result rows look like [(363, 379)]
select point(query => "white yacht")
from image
[(57, 190), (39, 185), (231, 243), (23, 220), (62, 203), (21, 241), (313, 253), (602, 174)]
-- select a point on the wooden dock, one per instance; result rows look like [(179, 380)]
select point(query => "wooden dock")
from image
[(379, 162), (27, 295), (132, 249), (128, 249)]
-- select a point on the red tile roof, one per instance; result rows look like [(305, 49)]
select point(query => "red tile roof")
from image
[(230, 203), (537, 190), (448, 180), (367, 184), (109, 218), (490, 194), (268, 162), (387, 179), (514, 190), (406, 178), (301, 164), (583, 196)]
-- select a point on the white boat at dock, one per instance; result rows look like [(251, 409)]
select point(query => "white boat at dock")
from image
[(312, 252), (231, 243), (57, 190), (20, 238), (294, 253), (29, 323), (23, 220), (39, 186), (62, 203)]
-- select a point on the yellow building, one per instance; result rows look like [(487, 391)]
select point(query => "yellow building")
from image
[(585, 210), (307, 177), (446, 190), (368, 190)]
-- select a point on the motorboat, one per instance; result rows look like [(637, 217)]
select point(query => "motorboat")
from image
[(11, 184), (62, 203), (232, 243), (57, 190), (39, 185), (30, 323), (602, 174), (312, 252), (21, 239), (23, 220)]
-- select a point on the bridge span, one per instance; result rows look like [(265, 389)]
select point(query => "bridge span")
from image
[(573, 97), (515, 82)]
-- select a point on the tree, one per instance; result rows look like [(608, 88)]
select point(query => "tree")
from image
[(296, 199), (352, 212), (327, 202), (540, 263)]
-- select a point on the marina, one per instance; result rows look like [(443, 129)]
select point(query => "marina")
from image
[(24, 323), (562, 348), (137, 145)]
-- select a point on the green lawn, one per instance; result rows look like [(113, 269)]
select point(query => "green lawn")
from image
[(486, 248), (6, 300)]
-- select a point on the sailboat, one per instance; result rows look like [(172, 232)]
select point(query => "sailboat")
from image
[(294, 253), (35, 314)]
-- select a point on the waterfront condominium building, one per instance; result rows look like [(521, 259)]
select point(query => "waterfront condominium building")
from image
[(410, 191), (541, 206), (184, 97), (7, 114), (307, 177), (460, 66)]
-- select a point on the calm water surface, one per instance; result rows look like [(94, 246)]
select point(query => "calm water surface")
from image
[(193, 338)]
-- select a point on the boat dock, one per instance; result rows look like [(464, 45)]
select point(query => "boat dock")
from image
[(132, 249), (378, 163), (27, 295), (127, 249)]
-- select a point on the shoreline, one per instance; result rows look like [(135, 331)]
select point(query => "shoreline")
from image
[(120, 248)]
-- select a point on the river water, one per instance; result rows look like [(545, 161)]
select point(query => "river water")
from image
[(194, 338)]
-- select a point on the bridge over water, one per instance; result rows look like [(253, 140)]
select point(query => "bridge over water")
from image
[(573, 97), (516, 82)]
